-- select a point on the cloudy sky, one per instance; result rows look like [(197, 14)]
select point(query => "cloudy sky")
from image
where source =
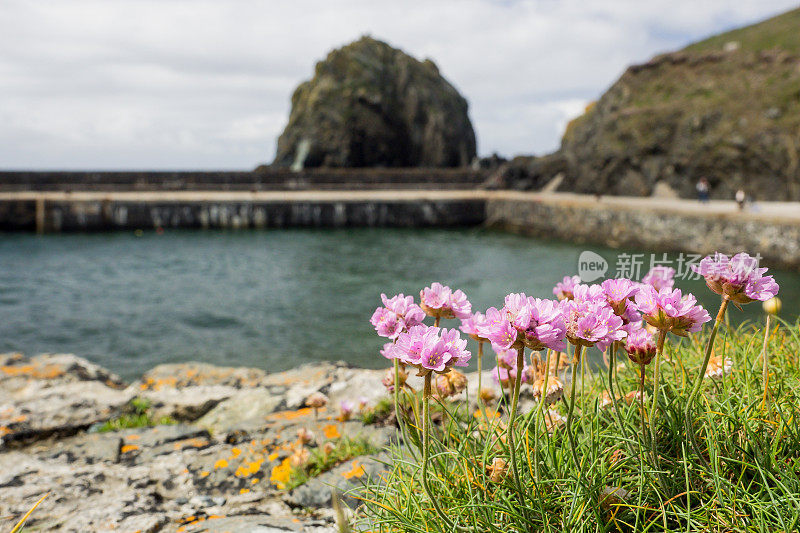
[(166, 84)]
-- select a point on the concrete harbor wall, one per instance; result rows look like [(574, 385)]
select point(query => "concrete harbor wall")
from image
[(773, 229), (262, 179)]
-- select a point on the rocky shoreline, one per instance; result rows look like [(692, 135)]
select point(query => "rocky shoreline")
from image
[(218, 466)]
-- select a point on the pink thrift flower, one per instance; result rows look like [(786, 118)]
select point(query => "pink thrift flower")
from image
[(587, 293), (618, 293), (346, 408), (526, 321), (471, 324), (640, 345), (439, 301), (563, 289), (398, 314), (592, 322), (669, 310), (432, 348), (660, 277), (387, 350), (738, 278)]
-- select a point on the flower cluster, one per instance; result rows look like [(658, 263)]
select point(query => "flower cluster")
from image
[(439, 301), (590, 321), (738, 278), (660, 277), (564, 289), (430, 348), (472, 324), (525, 321), (669, 310), (640, 345), (398, 314)]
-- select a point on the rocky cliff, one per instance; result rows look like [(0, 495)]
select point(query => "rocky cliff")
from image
[(727, 109), (371, 105)]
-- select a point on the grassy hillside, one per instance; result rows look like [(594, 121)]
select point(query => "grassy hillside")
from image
[(729, 115), (782, 31)]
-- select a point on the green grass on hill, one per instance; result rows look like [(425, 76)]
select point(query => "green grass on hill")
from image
[(744, 476), (782, 31)]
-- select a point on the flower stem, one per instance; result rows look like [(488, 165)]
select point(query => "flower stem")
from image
[(765, 368), (662, 335), (642, 368), (539, 416), (698, 382), (426, 444), (512, 414), (611, 369), (481, 405), (575, 360)]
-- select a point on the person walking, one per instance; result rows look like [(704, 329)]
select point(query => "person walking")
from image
[(702, 190), (741, 198)]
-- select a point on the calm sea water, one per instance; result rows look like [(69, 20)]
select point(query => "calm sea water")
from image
[(270, 299)]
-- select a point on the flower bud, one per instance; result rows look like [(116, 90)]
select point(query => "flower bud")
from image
[(498, 470), (304, 436), (773, 305)]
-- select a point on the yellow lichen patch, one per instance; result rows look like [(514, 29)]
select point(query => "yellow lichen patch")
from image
[(290, 415), (280, 473), (235, 452), (222, 463), (271, 457), (4, 431), (195, 442), (34, 371), (133, 437), (129, 448), (254, 481), (205, 473), (244, 491), (356, 471), (331, 432)]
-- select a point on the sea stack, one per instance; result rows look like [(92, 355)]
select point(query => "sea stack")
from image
[(372, 105)]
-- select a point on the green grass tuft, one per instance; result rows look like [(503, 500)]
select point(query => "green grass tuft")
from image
[(137, 415), (747, 478), (319, 462)]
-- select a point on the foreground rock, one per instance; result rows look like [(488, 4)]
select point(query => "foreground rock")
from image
[(223, 464), (372, 105)]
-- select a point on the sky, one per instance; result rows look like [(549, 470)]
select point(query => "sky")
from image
[(197, 84)]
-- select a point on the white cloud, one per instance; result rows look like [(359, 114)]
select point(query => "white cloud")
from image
[(206, 84)]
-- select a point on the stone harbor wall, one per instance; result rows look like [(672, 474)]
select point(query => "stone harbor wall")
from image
[(130, 213), (221, 465), (648, 226)]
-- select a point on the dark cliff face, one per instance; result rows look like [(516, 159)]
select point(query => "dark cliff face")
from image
[(732, 117), (371, 105)]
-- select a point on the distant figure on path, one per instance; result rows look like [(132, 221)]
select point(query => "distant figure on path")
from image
[(702, 190), (741, 197)]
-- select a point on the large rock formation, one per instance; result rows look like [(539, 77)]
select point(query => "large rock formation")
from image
[(727, 109), (372, 105)]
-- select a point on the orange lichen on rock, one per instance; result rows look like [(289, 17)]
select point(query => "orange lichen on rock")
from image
[(222, 463), (205, 473), (290, 415), (356, 471), (331, 432), (249, 468), (129, 448), (280, 474), (34, 371), (195, 442)]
